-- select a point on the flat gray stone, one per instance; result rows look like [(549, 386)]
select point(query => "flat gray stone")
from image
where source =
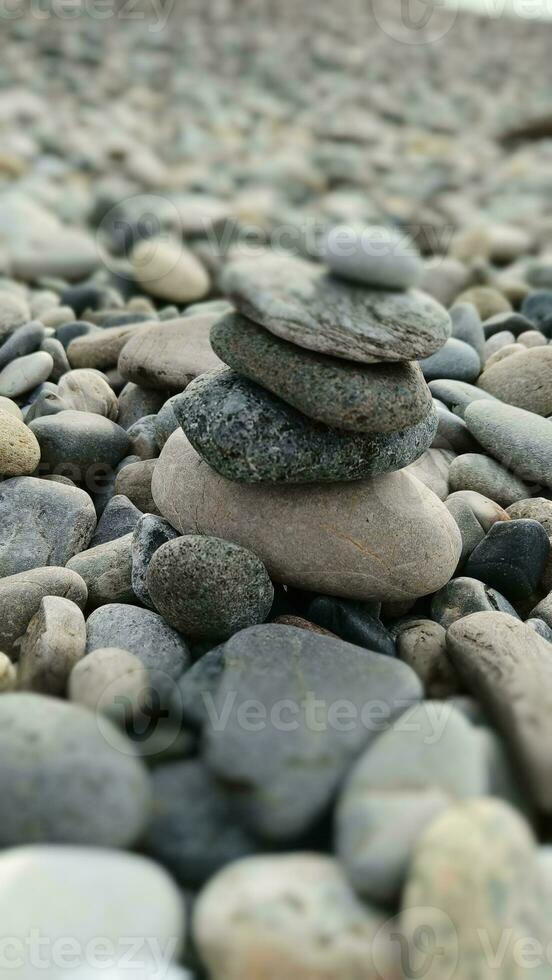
[(299, 302), (136, 401), (455, 360), (371, 255), (25, 340), (474, 471), (457, 395), (519, 439), (106, 569), (81, 440), (170, 355), (25, 373)]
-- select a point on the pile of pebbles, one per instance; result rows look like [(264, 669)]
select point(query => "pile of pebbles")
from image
[(275, 497)]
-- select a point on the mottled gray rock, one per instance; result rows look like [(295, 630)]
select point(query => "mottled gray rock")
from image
[(474, 471), (135, 402), (533, 509), (21, 595), (86, 390), (106, 569), (521, 440), (296, 300), (455, 360), (208, 588), (429, 758), (463, 596), (55, 640), (149, 534), (329, 545), (289, 773), (466, 326), (508, 667), (25, 373), (249, 435), (120, 517), (24, 340), (80, 439), (42, 523), (345, 395), (374, 256), (143, 437), (168, 356), (193, 832), (65, 781), (145, 634), (529, 386)]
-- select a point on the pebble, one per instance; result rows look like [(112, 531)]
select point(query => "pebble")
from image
[(297, 301), (25, 340), (455, 360), (540, 627), (77, 328), (487, 301), (82, 440), (55, 640), (208, 588), (135, 402), (528, 386), (422, 645), (290, 772), (286, 915), (65, 781), (169, 356), (8, 674), (510, 321), (19, 449), (475, 514), (169, 271), (472, 882), (511, 558), (507, 665), (533, 509), (85, 390), (466, 326), (519, 439), (457, 395), (21, 595), (106, 569), (149, 534), (498, 342), (14, 312), (71, 923), (444, 278), (134, 481), (482, 474), (432, 469), (452, 432), (56, 351), (249, 435), (120, 517), (42, 523), (340, 394), (161, 650), (502, 353), (143, 437), (463, 596), (429, 759), (111, 681), (25, 373), (354, 622), (8, 407), (380, 257), (101, 348), (537, 307), (329, 545), (193, 832), (532, 338)]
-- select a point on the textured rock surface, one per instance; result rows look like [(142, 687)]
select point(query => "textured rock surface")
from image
[(19, 450), (107, 571), (21, 595), (54, 642), (170, 355), (521, 440)]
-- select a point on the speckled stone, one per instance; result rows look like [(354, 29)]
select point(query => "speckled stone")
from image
[(463, 596), (287, 915), (297, 301), (21, 595), (55, 640), (62, 780), (208, 588), (19, 449), (533, 509), (473, 882), (9, 407), (42, 523), (170, 355), (479, 473), (362, 540), (249, 435), (529, 386), (428, 759), (455, 360), (519, 439), (371, 255), (508, 667), (345, 395)]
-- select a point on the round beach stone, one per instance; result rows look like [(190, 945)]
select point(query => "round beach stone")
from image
[(19, 449), (24, 340), (429, 758), (474, 514), (511, 558), (457, 395), (85, 390), (502, 354), (519, 439), (55, 640), (57, 352), (247, 434), (193, 831), (167, 270), (345, 395), (136, 401), (142, 901), (149, 534), (9, 407), (63, 781), (466, 326), (119, 517), (462, 596), (354, 622), (208, 588), (508, 668), (283, 916), (133, 480), (80, 439), (472, 853), (532, 338), (487, 300), (25, 373), (42, 523), (112, 681), (537, 307), (362, 540), (375, 256), (455, 360), (533, 509), (496, 343), (529, 386), (106, 569), (101, 348), (170, 355), (14, 312), (422, 645), (479, 473), (432, 469), (21, 595), (297, 301)]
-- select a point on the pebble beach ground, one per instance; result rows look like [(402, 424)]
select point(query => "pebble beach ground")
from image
[(275, 492)]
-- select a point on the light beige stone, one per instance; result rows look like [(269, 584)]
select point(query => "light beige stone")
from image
[(168, 270), (169, 356), (8, 406), (101, 350), (112, 681), (19, 449), (502, 353), (8, 674), (525, 382), (134, 482), (55, 640), (21, 595), (432, 469), (84, 390), (385, 538)]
